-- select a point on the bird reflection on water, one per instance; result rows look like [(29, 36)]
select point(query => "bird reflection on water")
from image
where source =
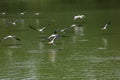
[(104, 43), (52, 55), (13, 41), (79, 33)]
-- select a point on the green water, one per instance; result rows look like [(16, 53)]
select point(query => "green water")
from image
[(84, 53)]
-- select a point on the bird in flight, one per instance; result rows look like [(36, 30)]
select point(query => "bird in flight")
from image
[(52, 41), (106, 26), (66, 28), (3, 13), (11, 37), (78, 17), (40, 30), (37, 13), (53, 37), (63, 30), (22, 13), (14, 23)]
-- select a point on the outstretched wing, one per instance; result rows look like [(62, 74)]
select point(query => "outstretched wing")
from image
[(48, 24), (32, 27), (16, 21), (17, 38), (106, 25), (11, 37)]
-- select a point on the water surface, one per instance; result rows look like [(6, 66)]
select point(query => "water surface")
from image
[(84, 53)]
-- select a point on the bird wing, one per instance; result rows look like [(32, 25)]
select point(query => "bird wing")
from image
[(17, 38), (32, 27), (15, 21), (63, 30), (11, 37), (106, 25), (42, 29), (5, 37), (51, 36), (48, 24)]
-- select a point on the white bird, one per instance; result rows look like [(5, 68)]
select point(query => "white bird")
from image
[(22, 13), (36, 14), (73, 25), (11, 37), (63, 30), (40, 30), (52, 41), (13, 23), (3, 13), (106, 25), (78, 17), (53, 37)]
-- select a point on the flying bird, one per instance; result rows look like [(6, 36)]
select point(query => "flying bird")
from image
[(52, 41), (22, 13), (3, 13), (73, 25), (11, 37), (37, 14), (53, 37), (106, 26), (63, 30), (14, 23), (78, 17), (67, 28), (40, 30)]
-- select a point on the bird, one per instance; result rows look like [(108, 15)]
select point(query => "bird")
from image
[(78, 17), (73, 25), (52, 41), (22, 13), (37, 14), (11, 37), (40, 30), (3, 13), (66, 28), (106, 26), (53, 37), (63, 30), (13, 23)]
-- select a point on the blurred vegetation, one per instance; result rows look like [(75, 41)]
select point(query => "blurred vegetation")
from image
[(38, 5)]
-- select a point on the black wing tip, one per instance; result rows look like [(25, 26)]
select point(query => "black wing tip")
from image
[(32, 27), (18, 39), (109, 22)]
